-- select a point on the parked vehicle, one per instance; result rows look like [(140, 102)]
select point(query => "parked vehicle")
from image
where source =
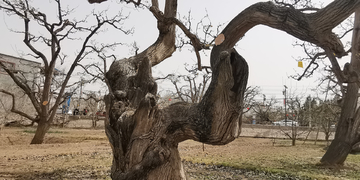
[(101, 113), (60, 111), (69, 112), (286, 123)]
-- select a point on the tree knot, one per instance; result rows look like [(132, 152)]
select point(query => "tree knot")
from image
[(151, 99), (223, 55)]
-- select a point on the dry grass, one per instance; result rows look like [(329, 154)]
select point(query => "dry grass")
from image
[(86, 154), (281, 157)]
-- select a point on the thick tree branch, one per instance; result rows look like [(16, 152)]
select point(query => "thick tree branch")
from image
[(25, 87), (314, 27), (165, 44), (14, 110), (335, 67), (215, 120)]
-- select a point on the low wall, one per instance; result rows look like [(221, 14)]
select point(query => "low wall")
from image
[(270, 131)]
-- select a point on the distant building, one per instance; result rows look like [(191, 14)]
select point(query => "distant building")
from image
[(27, 70)]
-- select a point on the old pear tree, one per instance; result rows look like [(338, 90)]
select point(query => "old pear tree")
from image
[(144, 138)]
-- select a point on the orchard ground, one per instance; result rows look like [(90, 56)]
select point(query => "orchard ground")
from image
[(84, 153)]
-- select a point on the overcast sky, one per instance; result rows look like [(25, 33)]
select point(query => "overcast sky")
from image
[(270, 53)]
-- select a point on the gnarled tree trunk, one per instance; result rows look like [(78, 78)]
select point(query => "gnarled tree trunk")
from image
[(145, 138)]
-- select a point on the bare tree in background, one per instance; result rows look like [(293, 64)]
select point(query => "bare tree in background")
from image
[(250, 95), (98, 70), (93, 102), (188, 88), (62, 29), (295, 111), (144, 139), (265, 109), (347, 132), (250, 103), (326, 112)]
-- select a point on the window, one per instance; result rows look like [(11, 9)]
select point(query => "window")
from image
[(9, 65)]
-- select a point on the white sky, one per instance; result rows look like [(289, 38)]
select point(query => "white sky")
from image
[(269, 53)]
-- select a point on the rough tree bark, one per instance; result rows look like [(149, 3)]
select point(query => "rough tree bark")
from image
[(144, 138), (347, 131)]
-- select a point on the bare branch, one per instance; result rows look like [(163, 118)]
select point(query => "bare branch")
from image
[(96, 1), (24, 86), (14, 110), (313, 59), (166, 77)]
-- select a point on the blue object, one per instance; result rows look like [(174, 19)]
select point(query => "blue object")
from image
[(68, 101)]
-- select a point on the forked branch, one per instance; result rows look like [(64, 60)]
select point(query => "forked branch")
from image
[(14, 110)]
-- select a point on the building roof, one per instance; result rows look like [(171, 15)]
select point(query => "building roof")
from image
[(1, 54)]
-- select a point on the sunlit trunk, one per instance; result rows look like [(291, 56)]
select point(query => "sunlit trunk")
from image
[(41, 130), (347, 129)]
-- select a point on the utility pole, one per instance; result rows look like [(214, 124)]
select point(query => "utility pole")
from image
[(310, 112), (284, 92), (81, 84)]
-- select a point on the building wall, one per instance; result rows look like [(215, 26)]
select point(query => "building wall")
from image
[(27, 70), (30, 69)]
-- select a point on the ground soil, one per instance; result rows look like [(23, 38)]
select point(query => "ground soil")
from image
[(69, 153)]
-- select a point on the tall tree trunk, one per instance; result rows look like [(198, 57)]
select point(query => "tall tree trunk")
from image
[(347, 130), (293, 135), (41, 130)]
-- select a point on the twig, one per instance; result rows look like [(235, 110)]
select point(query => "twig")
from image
[(10, 140)]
